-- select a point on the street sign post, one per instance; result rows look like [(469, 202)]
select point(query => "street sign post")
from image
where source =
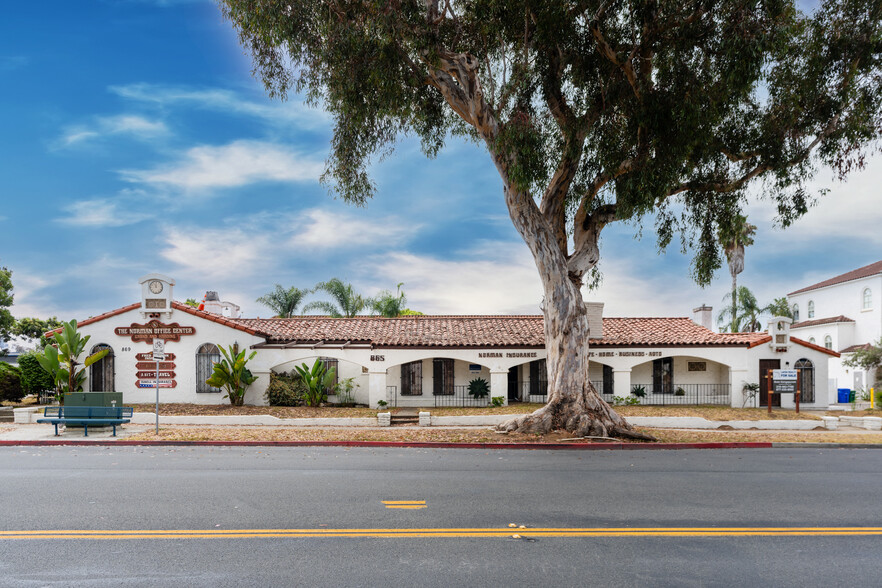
[(158, 356)]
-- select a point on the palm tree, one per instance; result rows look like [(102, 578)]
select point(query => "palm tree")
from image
[(744, 317), (779, 307), (283, 302), (388, 304), (734, 236), (347, 303)]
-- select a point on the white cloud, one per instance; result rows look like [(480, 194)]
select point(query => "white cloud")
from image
[(101, 212), (131, 125), (321, 229), (215, 253), (228, 166), (496, 278), (222, 100)]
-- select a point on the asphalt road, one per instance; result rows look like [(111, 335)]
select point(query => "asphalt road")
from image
[(254, 517)]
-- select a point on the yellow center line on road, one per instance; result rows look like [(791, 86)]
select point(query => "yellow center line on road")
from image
[(442, 532), (407, 504)]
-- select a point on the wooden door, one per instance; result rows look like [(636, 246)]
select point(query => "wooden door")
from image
[(764, 366)]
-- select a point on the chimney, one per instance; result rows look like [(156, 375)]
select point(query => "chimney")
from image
[(703, 315), (595, 319)]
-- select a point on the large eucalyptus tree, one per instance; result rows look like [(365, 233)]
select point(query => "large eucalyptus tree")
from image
[(592, 112)]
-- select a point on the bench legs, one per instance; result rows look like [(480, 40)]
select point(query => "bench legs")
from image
[(56, 429)]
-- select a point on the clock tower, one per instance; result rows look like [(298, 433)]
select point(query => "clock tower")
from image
[(156, 295)]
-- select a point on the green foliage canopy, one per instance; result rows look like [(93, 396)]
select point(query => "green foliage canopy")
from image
[(346, 301), (6, 319), (283, 302), (593, 111)]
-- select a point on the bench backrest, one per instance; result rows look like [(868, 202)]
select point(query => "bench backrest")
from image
[(89, 412)]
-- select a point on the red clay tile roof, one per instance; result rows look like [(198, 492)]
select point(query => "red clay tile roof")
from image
[(176, 305), (853, 348), (861, 272), (483, 331), (822, 321)]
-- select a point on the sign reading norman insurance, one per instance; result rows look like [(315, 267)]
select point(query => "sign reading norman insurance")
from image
[(155, 330)]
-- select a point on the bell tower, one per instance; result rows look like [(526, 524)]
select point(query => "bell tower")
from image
[(156, 296)]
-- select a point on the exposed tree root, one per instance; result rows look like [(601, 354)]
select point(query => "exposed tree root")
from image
[(576, 417)]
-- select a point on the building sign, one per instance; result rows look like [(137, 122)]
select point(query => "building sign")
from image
[(624, 354), (163, 375), (500, 355), (155, 330), (152, 383), (163, 365), (784, 381), (149, 357)]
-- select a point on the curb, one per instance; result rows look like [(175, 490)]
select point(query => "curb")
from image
[(438, 445)]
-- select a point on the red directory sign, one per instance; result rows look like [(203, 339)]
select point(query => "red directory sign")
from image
[(152, 383)]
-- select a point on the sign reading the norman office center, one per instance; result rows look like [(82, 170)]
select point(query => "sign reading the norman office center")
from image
[(155, 330)]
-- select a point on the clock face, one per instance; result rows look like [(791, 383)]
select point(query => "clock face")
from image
[(156, 286)]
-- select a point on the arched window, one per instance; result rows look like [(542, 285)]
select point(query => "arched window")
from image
[(811, 309), (806, 380), (828, 342), (101, 372), (867, 299), (795, 313), (206, 356), (812, 341)]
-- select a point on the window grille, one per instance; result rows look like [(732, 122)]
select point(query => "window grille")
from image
[(538, 378), (206, 356), (331, 363), (412, 378), (806, 380)]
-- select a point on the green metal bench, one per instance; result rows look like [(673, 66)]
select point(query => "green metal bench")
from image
[(87, 416)]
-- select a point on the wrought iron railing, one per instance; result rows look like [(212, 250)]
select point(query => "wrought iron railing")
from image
[(461, 397), (685, 394)]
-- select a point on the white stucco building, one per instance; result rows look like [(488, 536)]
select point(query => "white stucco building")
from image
[(842, 313), (430, 360)]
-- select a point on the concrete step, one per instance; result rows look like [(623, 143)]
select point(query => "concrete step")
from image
[(6, 414)]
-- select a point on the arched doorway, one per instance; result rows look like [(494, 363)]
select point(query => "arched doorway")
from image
[(806, 371), (101, 373)]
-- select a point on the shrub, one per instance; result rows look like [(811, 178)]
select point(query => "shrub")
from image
[(346, 392), (638, 391), (622, 401), (498, 401), (479, 388), (34, 379), (285, 390), (680, 392), (10, 383)]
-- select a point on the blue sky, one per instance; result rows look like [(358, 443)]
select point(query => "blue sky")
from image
[(134, 139)]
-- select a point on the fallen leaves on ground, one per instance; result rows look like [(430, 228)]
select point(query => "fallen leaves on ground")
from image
[(715, 413), (421, 435), (691, 436), (282, 412)]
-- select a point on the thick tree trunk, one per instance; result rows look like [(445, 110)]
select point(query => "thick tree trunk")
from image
[(573, 403)]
